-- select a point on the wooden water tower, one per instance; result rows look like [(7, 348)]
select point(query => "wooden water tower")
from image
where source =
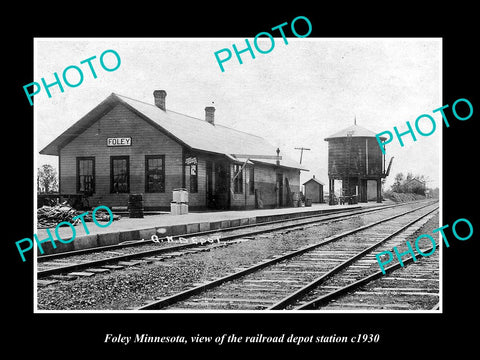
[(355, 158)]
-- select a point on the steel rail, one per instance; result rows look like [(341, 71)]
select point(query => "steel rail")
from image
[(324, 299), (307, 288), (101, 262), (131, 243), (158, 304)]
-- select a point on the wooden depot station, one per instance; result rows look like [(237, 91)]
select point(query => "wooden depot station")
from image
[(125, 146)]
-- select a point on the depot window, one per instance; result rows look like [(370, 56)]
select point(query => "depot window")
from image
[(238, 183), (119, 174), (86, 175), (155, 173)]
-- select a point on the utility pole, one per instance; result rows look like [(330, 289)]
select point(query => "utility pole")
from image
[(301, 152)]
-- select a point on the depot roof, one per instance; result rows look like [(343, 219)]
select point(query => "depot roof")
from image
[(191, 132)]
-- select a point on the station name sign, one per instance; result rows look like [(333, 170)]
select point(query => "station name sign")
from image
[(122, 141)]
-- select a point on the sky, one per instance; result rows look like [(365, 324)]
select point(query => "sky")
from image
[(294, 96)]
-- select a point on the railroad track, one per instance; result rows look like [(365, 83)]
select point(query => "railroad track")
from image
[(66, 266), (288, 280), (414, 287)]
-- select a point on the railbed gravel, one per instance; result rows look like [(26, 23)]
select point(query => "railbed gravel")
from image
[(134, 286)]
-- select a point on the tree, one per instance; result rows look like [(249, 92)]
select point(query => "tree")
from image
[(404, 184), (435, 193), (47, 179), (397, 185), (417, 189)]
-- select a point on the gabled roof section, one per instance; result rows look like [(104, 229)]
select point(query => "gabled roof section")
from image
[(80, 126), (191, 132), (314, 180), (407, 182), (354, 131)]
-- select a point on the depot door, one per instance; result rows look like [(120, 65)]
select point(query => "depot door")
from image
[(222, 186), (280, 189), (210, 186)]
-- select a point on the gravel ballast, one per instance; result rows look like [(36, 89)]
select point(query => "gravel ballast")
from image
[(134, 286)]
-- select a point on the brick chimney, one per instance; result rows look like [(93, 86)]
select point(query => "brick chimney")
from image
[(159, 96), (209, 117)]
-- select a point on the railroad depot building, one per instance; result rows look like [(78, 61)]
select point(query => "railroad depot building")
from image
[(124, 146)]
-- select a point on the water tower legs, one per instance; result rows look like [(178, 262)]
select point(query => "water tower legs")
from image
[(379, 190)]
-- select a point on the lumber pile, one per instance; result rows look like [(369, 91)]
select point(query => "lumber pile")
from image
[(51, 216)]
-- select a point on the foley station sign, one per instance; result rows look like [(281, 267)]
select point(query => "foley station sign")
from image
[(122, 141)]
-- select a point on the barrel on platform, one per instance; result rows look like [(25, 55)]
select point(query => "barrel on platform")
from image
[(135, 205)]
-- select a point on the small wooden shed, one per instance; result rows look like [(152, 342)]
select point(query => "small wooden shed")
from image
[(314, 190)]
